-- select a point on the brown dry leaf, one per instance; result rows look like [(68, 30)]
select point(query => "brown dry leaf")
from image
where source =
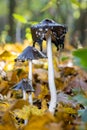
[(76, 82), (5, 106), (55, 126), (65, 113), (63, 76), (19, 104), (7, 123), (42, 75), (68, 71), (4, 87), (39, 122), (65, 99), (71, 78), (22, 73), (37, 89), (14, 77)]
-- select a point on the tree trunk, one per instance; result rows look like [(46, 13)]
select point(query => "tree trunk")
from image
[(11, 33)]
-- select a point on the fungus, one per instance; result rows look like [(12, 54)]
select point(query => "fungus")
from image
[(50, 31), (40, 30), (30, 53), (25, 86)]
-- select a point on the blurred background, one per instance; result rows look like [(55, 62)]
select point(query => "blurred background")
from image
[(16, 17)]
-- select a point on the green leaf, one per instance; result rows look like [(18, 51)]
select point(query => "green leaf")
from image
[(80, 112), (81, 99), (49, 5), (75, 2), (80, 57), (64, 58), (84, 116), (20, 18)]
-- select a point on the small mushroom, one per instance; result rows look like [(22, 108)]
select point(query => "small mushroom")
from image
[(30, 53), (50, 31), (25, 86)]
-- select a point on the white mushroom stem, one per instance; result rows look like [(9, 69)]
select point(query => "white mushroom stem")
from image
[(52, 87), (30, 78), (24, 94)]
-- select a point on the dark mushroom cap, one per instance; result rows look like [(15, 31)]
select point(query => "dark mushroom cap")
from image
[(30, 53), (40, 30), (24, 84)]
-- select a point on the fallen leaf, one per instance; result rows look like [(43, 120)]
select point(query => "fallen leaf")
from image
[(40, 122)]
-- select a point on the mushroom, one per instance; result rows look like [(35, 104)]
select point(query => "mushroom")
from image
[(30, 53), (40, 30), (50, 31), (25, 86)]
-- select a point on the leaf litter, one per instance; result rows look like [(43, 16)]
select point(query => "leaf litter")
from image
[(71, 82)]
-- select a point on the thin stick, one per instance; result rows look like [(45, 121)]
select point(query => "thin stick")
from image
[(30, 78), (52, 87)]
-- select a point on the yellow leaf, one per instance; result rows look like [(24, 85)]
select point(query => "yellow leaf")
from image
[(19, 104), (7, 123), (69, 110), (28, 111), (9, 66), (44, 92), (6, 55), (64, 113), (7, 127), (13, 47), (4, 87), (44, 105), (39, 122), (4, 106)]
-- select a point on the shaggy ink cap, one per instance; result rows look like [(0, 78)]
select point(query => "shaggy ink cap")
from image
[(24, 84), (30, 53), (40, 30)]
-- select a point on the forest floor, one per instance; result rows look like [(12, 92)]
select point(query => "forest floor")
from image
[(71, 85)]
